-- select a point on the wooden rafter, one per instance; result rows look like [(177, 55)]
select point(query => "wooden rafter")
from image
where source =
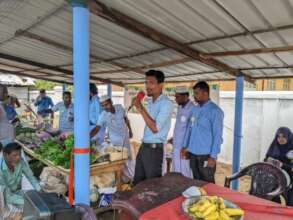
[(224, 37), (49, 67), (211, 72), (214, 54), (25, 70), (57, 45), (149, 66), (30, 75), (275, 77), (133, 25), (249, 51), (180, 81)]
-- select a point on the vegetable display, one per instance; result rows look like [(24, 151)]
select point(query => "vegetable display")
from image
[(56, 151)]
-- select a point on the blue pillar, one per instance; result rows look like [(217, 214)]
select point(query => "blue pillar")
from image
[(81, 99), (237, 128), (109, 90)]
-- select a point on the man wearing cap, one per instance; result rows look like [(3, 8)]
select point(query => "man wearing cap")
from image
[(95, 110), (115, 120), (185, 106)]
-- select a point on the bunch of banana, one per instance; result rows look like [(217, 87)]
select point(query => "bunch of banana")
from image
[(213, 208)]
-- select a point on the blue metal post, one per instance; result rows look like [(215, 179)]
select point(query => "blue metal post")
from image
[(237, 128), (64, 87), (109, 90), (81, 99)]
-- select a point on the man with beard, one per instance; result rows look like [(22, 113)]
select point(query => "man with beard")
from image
[(185, 106), (203, 138), (115, 120), (157, 118)]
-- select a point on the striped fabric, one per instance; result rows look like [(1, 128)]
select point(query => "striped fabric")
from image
[(8, 212)]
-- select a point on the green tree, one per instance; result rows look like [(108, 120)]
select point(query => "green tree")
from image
[(42, 84)]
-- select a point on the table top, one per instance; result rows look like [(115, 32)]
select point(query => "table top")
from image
[(255, 208)]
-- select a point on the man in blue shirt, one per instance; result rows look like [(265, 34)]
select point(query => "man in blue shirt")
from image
[(95, 109), (10, 104), (203, 139), (7, 130), (158, 122), (44, 104), (66, 113)]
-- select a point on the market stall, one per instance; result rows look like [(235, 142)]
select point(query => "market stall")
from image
[(55, 150), (206, 40)]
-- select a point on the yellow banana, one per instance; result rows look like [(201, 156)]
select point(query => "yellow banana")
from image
[(221, 203), (213, 199), (198, 215), (213, 216), (195, 207), (224, 216), (192, 209), (234, 212), (205, 206), (209, 210)]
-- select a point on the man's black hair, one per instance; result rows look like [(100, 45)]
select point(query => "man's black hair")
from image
[(159, 75), (66, 93), (11, 147), (93, 89), (187, 94), (202, 85), (1, 147), (42, 91)]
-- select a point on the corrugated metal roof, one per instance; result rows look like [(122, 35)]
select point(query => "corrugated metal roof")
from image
[(122, 55)]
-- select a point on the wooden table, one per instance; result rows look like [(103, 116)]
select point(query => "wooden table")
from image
[(95, 169)]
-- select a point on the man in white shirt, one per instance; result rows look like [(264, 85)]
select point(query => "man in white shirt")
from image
[(115, 120)]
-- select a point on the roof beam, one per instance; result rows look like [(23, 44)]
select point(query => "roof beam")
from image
[(129, 23), (213, 54), (180, 81), (149, 66), (57, 45), (220, 80), (274, 77), (211, 72), (49, 67), (249, 51), (206, 40), (30, 75)]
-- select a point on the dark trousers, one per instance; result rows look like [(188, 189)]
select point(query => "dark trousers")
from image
[(149, 162), (200, 169)]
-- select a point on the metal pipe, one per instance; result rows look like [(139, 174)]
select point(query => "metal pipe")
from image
[(237, 128), (64, 87), (109, 90), (81, 99)]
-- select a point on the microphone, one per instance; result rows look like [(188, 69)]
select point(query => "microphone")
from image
[(140, 95)]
